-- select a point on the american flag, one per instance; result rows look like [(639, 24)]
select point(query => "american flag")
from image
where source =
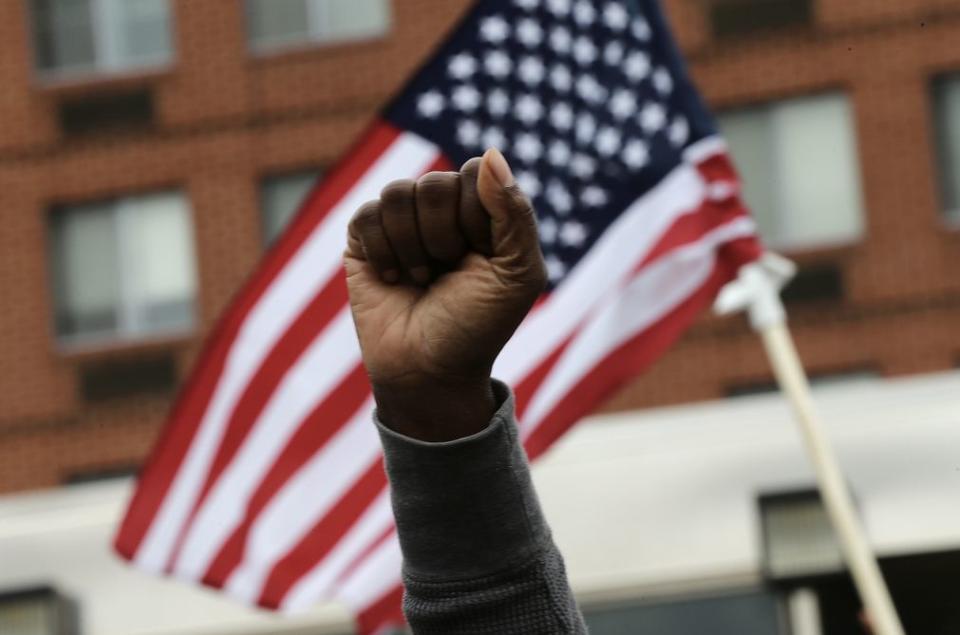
[(267, 482)]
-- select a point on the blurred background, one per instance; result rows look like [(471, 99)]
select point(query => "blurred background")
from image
[(151, 151)]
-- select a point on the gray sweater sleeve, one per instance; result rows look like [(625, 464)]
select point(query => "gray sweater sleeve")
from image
[(477, 553)]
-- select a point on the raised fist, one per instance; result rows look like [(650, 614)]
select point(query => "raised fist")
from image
[(441, 272)]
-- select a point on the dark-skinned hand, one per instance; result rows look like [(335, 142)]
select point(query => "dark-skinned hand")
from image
[(441, 271)]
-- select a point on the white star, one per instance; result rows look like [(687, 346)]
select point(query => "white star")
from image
[(548, 230), (498, 64), (653, 118), (555, 268), (528, 147), (608, 141), (560, 40), (559, 198), (584, 13), (561, 116), (430, 104), (529, 32), (560, 78), (613, 53), (558, 153), (593, 196), (468, 133), (494, 29), (584, 51), (636, 154), (462, 66), (572, 234), (590, 89), (679, 131), (531, 70), (466, 98), (662, 81), (529, 5), (498, 102), (615, 16), (493, 137), (641, 29), (623, 104), (528, 109), (582, 166), (586, 128), (559, 8), (637, 66), (529, 183)]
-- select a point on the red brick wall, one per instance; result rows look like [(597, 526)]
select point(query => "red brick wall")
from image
[(226, 118)]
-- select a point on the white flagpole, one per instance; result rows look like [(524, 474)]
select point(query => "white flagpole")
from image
[(757, 291)]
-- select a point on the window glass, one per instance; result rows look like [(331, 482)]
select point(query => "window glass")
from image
[(352, 19), (947, 102), (283, 22), (100, 35), (798, 161), (743, 614), (63, 34), (281, 197), (141, 29), (86, 270), (123, 268), (277, 21), (160, 275)]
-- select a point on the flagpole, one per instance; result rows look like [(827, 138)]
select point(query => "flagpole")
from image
[(757, 291)]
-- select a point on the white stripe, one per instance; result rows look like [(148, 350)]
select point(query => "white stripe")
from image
[(308, 496), (331, 356), (653, 293), (704, 149), (377, 575), (601, 271), (308, 271), (316, 584)]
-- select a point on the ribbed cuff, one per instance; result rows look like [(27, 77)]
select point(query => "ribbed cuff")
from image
[(464, 508)]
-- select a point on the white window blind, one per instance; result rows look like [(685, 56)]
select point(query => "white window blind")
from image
[(279, 23), (798, 160), (124, 269)]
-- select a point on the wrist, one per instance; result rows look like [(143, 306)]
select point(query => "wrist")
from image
[(437, 410)]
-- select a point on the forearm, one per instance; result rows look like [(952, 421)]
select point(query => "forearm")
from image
[(478, 556)]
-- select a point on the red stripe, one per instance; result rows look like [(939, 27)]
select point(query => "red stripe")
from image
[(625, 362), (323, 536), (327, 418), (168, 453), (381, 615), (306, 328)]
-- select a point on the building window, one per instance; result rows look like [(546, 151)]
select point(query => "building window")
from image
[(40, 611), (123, 269), (281, 198), (739, 17), (749, 613), (279, 23), (801, 176), (95, 36), (947, 104)]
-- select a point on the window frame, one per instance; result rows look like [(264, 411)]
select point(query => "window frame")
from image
[(315, 37), (314, 173), (106, 32), (130, 329)]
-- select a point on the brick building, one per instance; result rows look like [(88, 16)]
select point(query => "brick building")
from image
[(149, 151)]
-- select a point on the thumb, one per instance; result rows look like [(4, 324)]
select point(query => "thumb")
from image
[(513, 223)]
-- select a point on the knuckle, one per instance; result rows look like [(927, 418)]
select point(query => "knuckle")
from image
[(437, 190), (367, 216), (398, 195)]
